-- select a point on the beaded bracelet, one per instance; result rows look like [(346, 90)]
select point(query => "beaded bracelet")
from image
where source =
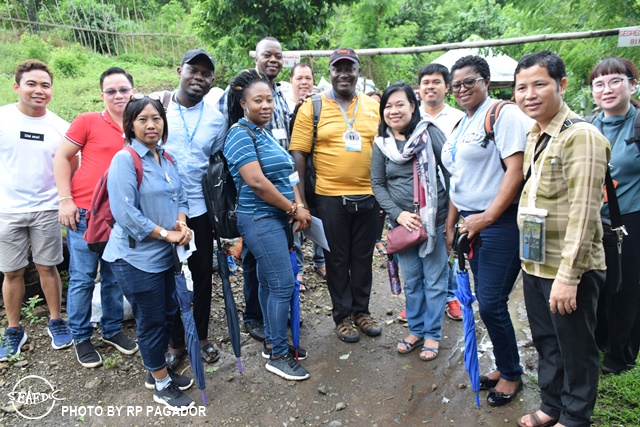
[(294, 210)]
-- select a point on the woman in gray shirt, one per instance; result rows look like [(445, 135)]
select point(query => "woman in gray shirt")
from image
[(405, 142)]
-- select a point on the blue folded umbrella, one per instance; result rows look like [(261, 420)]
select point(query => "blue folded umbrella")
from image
[(230, 310), (184, 297), (295, 305), (466, 299)]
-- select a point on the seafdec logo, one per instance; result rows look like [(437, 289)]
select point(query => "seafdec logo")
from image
[(34, 397)]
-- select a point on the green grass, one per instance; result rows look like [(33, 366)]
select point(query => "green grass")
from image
[(618, 403), (81, 93)]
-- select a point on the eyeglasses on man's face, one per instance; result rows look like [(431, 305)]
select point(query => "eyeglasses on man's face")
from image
[(467, 83), (614, 83), (123, 91)]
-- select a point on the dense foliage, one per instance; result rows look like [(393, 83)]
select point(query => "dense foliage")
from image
[(231, 28)]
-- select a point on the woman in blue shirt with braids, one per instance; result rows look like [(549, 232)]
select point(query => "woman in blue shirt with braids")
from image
[(268, 203)]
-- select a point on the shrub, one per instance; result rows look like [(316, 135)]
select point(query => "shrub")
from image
[(69, 62), (34, 47)]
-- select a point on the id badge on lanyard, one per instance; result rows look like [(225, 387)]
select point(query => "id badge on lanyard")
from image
[(532, 235), (534, 226)]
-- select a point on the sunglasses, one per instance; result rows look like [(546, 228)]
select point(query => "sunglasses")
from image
[(140, 96), (122, 90)]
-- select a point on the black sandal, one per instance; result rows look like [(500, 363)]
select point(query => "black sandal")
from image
[(172, 360), (209, 353)]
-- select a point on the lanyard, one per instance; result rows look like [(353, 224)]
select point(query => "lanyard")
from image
[(533, 189), (184, 122), (344, 114)]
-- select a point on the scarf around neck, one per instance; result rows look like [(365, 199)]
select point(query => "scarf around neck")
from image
[(418, 146)]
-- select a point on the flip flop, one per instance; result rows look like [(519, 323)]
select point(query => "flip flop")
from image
[(536, 420), (208, 353), (433, 350), (380, 252), (300, 279), (319, 272), (409, 346)]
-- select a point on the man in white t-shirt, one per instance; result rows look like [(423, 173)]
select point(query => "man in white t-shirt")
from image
[(30, 135), (434, 81)]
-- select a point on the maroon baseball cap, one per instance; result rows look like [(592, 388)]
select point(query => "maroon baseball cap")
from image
[(344, 53)]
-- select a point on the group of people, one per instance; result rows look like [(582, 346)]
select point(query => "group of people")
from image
[(426, 165), (155, 205)]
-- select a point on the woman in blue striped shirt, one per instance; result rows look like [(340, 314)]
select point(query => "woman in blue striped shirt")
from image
[(268, 203)]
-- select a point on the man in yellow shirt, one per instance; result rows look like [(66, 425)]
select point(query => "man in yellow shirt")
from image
[(343, 195)]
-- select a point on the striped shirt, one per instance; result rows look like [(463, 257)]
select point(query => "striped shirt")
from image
[(276, 163), (571, 190)]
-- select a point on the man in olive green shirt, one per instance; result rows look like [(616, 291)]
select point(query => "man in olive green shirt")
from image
[(559, 216)]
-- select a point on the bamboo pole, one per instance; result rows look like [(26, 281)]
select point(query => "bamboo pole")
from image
[(462, 45), (105, 20), (15, 9), (95, 30)]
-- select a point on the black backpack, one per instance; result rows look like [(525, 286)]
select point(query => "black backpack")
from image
[(221, 194)]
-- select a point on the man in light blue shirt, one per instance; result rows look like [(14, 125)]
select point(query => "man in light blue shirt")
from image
[(196, 131)]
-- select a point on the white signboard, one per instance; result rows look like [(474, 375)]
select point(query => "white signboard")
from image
[(629, 37), (290, 59)]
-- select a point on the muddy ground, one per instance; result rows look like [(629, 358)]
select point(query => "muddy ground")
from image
[(363, 384)]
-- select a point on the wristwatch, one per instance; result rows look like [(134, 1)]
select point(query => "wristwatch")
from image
[(163, 234)]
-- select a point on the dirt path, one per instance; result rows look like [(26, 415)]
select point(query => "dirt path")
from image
[(363, 384)]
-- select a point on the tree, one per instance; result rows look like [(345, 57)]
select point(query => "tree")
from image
[(553, 16), (234, 27)]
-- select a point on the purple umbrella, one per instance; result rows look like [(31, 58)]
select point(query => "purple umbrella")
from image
[(394, 277)]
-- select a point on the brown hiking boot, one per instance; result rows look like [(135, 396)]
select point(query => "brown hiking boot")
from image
[(347, 331), (368, 325)]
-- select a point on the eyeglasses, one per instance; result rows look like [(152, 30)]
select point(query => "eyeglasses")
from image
[(614, 83), (467, 83), (123, 90), (139, 96)]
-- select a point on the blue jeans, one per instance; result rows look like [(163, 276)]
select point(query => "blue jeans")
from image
[(318, 252), (152, 300), (425, 285), (495, 267), (452, 284), (83, 267), (265, 236)]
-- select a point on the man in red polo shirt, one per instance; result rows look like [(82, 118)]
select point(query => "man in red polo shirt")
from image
[(98, 136)]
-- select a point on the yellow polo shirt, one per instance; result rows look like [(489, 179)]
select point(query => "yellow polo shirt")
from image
[(338, 171)]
